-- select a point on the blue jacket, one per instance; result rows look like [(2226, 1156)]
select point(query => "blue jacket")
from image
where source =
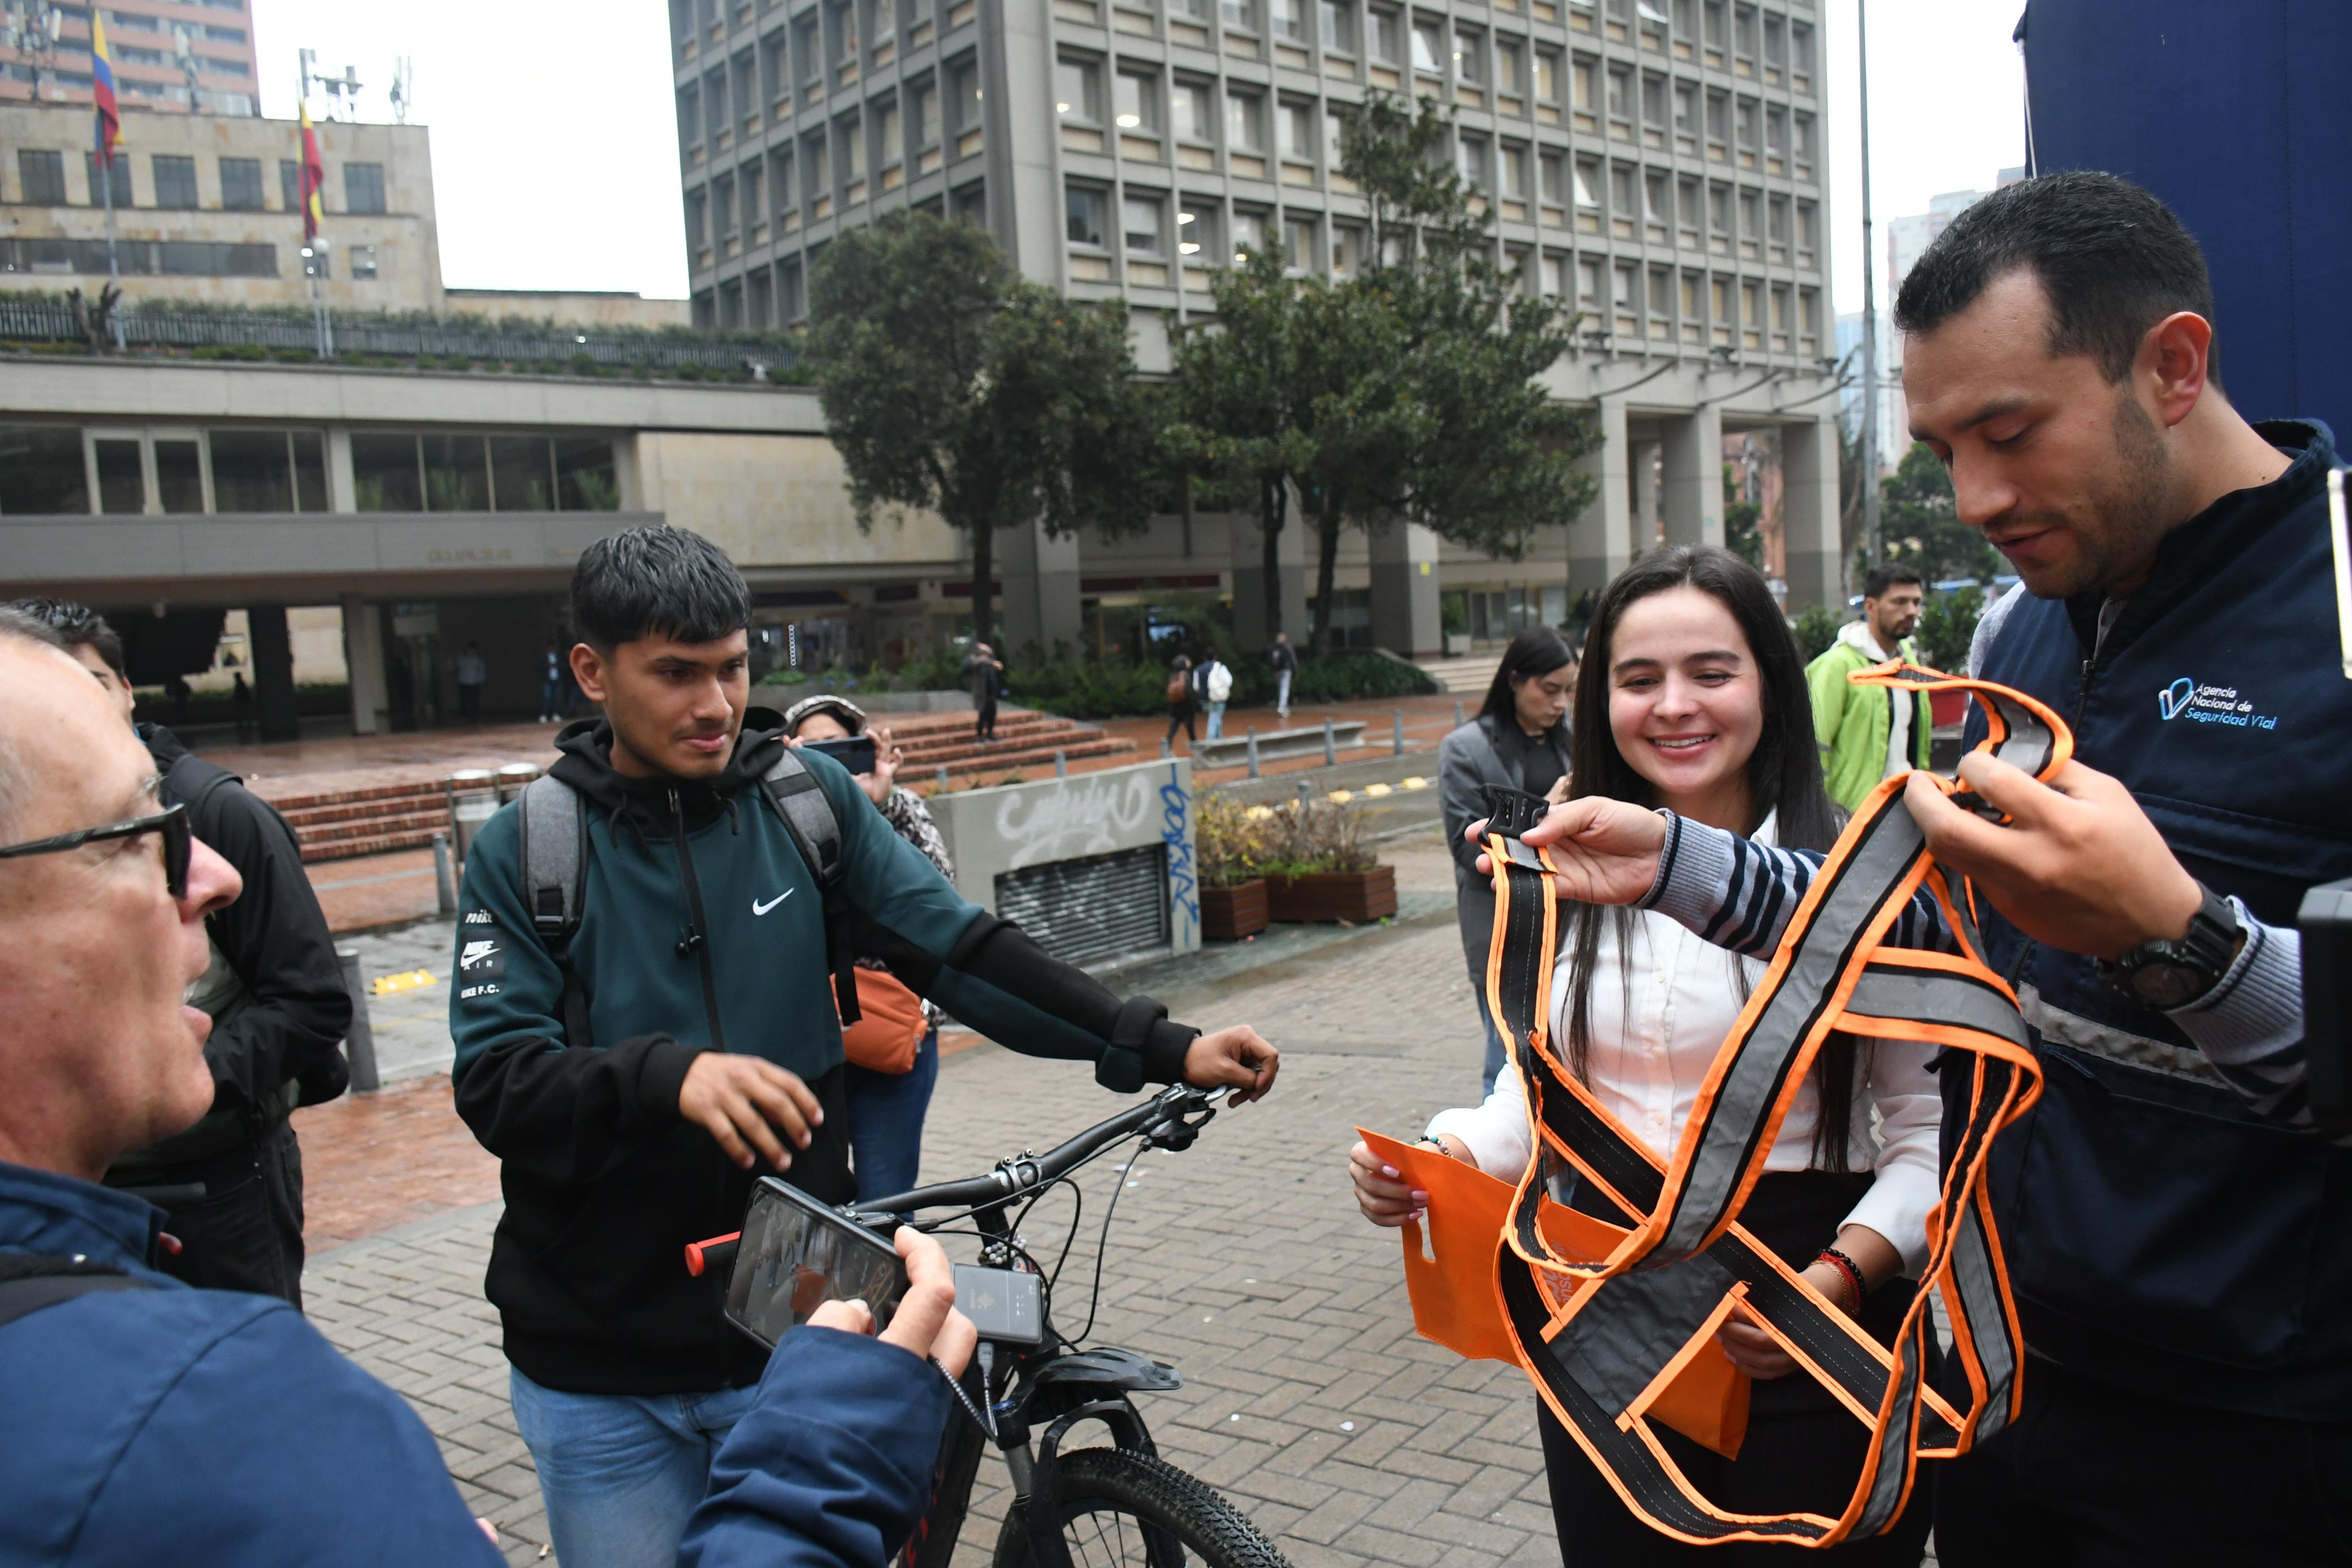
[(201, 1426), (2169, 1224)]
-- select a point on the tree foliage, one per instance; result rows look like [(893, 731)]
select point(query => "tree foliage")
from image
[(1919, 521), (1948, 624), (950, 384), (1743, 520)]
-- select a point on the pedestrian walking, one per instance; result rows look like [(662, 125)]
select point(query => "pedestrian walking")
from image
[(715, 1055), (550, 685), (240, 706), (2178, 1235), (893, 1050), (1285, 659), (1692, 699), (471, 674), (1520, 740), (1216, 682), (1180, 701), (275, 993), (1870, 733), (987, 674)]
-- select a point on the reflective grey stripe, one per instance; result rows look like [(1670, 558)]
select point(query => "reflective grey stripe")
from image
[(2029, 743), (1634, 1324), (549, 813), (1935, 996), (1987, 1325), (1758, 1071), (2060, 1027), (1893, 1435)]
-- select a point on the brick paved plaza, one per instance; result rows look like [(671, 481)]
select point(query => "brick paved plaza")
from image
[(1309, 1400)]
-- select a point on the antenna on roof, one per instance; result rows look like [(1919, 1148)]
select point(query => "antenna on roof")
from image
[(403, 93)]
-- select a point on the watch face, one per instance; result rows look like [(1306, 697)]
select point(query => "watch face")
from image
[(2168, 985)]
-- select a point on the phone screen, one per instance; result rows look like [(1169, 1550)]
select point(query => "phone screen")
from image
[(854, 752), (796, 1254)]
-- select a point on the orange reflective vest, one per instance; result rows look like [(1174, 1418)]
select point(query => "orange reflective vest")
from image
[(1615, 1325)]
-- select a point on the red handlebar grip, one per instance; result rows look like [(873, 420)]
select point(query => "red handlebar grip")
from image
[(701, 1255)]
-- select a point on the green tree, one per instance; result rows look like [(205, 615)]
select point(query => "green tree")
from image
[(1815, 630), (1743, 520), (1920, 522), (1947, 623), (950, 384)]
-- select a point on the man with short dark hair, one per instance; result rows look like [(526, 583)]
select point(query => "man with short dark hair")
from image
[(1285, 659), (1867, 734), (2178, 1240), (151, 1422), (275, 993), (636, 1065)]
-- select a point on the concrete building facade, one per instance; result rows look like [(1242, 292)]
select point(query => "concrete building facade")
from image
[(175, 57), (1658, 165), (207, 208)]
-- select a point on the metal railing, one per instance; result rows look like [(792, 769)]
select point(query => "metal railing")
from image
[(38, 321)]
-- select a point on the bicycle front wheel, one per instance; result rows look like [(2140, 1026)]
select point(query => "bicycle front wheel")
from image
[(1125, 1509)]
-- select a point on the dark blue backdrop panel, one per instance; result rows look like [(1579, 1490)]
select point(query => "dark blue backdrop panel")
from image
[(2238, 116)]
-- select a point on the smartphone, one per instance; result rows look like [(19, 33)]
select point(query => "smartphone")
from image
[(854, 752), (796, 1254)]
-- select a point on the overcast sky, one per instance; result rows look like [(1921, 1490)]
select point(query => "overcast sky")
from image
[(555, 146)]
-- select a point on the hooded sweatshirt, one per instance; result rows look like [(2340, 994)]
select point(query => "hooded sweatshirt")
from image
[(702, 928), (1855, 725)]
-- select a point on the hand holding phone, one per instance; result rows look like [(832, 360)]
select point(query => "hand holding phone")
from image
[(854, 752), (927, 1323)]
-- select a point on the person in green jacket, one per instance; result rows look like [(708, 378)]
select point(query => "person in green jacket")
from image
[(707, 1050), (1870, 733)]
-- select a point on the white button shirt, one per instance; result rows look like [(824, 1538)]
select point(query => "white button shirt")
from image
[(1657, 1025)]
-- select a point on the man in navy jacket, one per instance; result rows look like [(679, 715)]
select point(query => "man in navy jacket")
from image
[(2178, 1238), (152, 1422)]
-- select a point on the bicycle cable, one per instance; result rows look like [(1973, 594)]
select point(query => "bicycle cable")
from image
[(1102, 1244)]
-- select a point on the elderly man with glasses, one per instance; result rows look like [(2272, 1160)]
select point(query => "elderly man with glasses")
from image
[(152, 1420)]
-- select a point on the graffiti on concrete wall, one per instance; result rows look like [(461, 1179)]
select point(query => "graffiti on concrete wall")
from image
[(1092, 814), (1176, 833)]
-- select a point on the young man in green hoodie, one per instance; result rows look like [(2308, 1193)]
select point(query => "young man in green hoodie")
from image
[(715, 1052), (1870, 733)]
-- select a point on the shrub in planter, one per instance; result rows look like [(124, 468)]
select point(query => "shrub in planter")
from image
[(1322, 868), (1231, 841)]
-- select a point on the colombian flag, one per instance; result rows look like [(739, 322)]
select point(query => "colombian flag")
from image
[(314, 175), (101, 88)]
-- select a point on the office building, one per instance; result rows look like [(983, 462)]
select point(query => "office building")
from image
[(174, 56), (1658, 165)]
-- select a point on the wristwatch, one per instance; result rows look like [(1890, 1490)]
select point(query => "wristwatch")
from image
[(2172, 973)]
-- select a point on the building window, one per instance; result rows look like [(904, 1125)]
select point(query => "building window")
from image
[(1804, 146), (1298, 243), (1776, 132), (290, 184), (1137, 103), (364, 188), (1240, 16), (925, 118), (269, 470), (964, 96), (116, 178), (889, 145), (1142, 223), (1621, 194), (1295, 126), (1551, 176), (1508, 78), (1800, 55), (1428, 48), (1289, 19), (1249, 235), (853, 150), (1511, 168), (1083, 211), (1588, 285), (1747, 118), (1718, 218), (1688, 211), (1346, 250), (790, 297), (175, 181), (1245, 129), (1472, 158), (1715, 30), (1656, 209), (722, 206), (698, 206), (363, 261), (1743, 31), (1194, 116), (1077, 91), (1719, 126), (1778, 215), (1335, 139), (1776, 42), (240, 184), (1338, 26), (1654, 104), (1584, 77), (1621, 93), (1387, 40), (1751, 221), (43, 176), (1588, 185), (1196, 226), (1469, 57), (1808, 232)]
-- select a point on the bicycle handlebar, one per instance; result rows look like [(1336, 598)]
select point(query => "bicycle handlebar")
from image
[(1012, 1177)]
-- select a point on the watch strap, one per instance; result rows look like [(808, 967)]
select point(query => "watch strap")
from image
[(2207, 949)]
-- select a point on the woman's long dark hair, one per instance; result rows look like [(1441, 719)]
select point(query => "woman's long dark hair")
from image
[(1535, 651), (1784, 775)]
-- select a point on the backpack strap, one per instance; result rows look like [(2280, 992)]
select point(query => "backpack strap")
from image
[(808, 815), (553, 839), (32, 1281)]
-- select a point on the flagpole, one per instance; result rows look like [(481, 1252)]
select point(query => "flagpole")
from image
[(113, 274)]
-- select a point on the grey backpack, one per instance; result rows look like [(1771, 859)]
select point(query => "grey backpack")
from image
[(553, 831)]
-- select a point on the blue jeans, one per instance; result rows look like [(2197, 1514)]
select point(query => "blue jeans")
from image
[(1216, 721), (885, 1122), (621, 1473), (1282, 694), (1498, 1054)]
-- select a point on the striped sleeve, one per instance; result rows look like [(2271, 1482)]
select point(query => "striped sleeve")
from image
[(1740, 894), (2250, 1025)]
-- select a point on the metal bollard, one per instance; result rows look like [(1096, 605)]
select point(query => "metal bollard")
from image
[(1399, 732), (943, 775), (1457, 713), (359, 1044), (1061, 765), (1330, 745), (1305, 789), (1252, 753), (445, 883), (1164, 751)]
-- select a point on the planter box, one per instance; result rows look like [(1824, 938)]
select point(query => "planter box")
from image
[(1457, 645), (1356, 896), (1230, 913)]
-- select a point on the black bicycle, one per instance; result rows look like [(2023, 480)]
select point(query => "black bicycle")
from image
[(1031, 1386)]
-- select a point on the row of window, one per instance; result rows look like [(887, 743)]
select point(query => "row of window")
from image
[(65, 470), (764, 296), (172, 183), (173, 258), (120, 22)]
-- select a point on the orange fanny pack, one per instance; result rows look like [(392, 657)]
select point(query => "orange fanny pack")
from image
[(1615, 1326), (889, 1027)]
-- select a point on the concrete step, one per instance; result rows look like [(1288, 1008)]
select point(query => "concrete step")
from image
[(1464, 675)]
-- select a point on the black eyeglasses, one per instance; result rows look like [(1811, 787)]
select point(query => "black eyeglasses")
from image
[(171, 822)]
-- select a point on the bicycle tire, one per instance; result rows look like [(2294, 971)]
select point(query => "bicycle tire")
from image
[(1167, 1518)]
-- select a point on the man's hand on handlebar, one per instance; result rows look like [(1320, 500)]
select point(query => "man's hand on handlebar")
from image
[(927, 1323), (742, 1101), (1234, 1058)]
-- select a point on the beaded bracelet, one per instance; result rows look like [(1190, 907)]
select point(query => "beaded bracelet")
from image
[(1849, 1270)]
